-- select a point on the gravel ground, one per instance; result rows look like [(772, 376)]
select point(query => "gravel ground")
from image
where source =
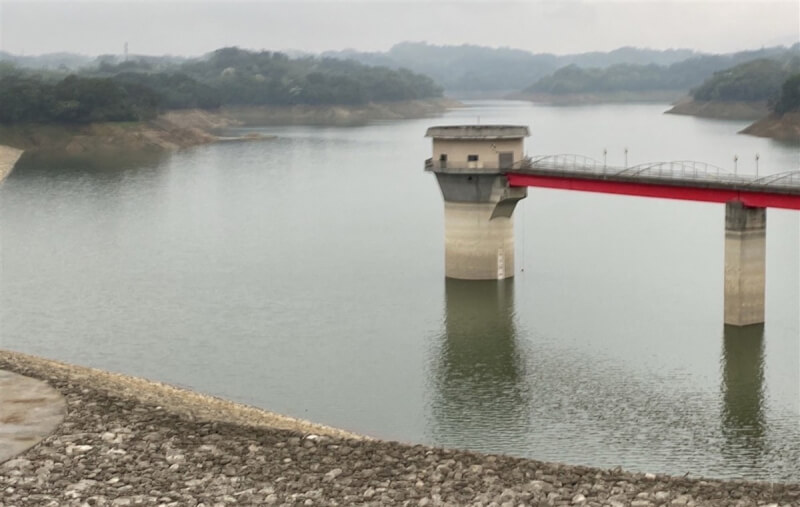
[(127, 441)]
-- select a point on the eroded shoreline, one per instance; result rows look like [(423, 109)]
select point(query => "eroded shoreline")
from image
[(179, 129), (129, 441)]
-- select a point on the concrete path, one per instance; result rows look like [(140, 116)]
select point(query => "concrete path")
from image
[(29, 411)]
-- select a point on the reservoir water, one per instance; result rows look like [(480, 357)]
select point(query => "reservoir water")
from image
[(304, 274)]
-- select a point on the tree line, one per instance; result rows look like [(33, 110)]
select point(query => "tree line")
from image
[(72, 100), (710, 77), (139, 89), (789, 100), (756, 81)]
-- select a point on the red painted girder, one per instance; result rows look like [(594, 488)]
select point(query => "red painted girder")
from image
[(752, 199)]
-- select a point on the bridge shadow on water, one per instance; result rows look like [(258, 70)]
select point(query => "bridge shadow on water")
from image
[(742, 393), (478, 371)]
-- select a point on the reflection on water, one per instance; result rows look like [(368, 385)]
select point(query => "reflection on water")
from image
[(102, 166), (480, 391), (742, 365)]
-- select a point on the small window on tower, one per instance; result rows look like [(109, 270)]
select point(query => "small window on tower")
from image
[(472, 158)]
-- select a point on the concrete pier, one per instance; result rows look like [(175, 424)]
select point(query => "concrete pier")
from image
[(745, 264), (469, 162)]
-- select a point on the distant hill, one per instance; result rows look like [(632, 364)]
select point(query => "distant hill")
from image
[(784, 121), (471, 69), (138, 89), (756, 80), (51, 61), (628, 55), (681, 76), (748, 90), (462, 68), (477, 70)]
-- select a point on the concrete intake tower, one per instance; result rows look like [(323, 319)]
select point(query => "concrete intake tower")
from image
[(469, 162)]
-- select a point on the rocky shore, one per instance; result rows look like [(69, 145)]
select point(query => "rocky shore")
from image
[(8, 159), (339, 116), (720, 110), (127, 441), (784, 127), (583, 99), (190, 127)]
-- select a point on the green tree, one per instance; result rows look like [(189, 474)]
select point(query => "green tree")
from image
[(789, 100)]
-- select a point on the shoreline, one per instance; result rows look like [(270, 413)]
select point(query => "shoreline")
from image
[(784, 127), (145, 442), (720, 110), (178, 129), (598, 98), (8, 159)]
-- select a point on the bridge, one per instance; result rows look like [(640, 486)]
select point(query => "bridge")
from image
[(687, 180), (482, 172)]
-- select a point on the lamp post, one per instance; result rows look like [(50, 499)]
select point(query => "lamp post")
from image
[(757, 157), (735, 164), (605, 152), (626, 157)]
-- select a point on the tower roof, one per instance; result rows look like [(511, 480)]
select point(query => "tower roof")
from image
[(478, 132)]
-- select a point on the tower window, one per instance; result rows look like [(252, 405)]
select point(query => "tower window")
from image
[(472, 158)]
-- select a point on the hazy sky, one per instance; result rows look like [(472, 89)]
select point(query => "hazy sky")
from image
[(563, 26)]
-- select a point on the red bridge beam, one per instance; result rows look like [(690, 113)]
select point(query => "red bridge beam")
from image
[(751, 199)]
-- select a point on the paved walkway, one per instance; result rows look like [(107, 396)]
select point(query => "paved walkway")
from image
[(29, 411)]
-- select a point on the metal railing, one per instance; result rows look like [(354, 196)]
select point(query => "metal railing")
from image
[(456, 166), (676, 171)]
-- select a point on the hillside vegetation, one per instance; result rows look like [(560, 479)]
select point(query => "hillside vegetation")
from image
[(471, 69), (680, 76), (784, 122), (789, 100), (748, 90), (140, 89), (757, 80), (72, 100)]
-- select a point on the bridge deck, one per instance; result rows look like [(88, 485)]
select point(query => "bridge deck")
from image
[(686, 180), (755, 192)]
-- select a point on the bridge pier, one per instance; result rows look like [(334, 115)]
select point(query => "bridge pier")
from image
[(470, 163), (745, 263)]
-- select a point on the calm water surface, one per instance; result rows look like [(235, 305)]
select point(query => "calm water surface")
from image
[(305, 275)]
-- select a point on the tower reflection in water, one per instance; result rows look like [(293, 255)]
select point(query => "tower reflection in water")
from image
[(479, 393), (743, 424)]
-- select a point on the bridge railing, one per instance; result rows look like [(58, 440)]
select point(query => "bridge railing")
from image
[(681, 169), (788, 179), (676, 170), (456, 166), (672, 170)]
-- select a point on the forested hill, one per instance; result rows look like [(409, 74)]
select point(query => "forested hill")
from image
[(680, 76), (758, 80), (140, 88), (469, 68), (789, 99), (245, 77)]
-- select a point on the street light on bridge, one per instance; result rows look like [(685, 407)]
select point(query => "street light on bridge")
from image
[(757, 157), (735, 164), (626, 157)]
